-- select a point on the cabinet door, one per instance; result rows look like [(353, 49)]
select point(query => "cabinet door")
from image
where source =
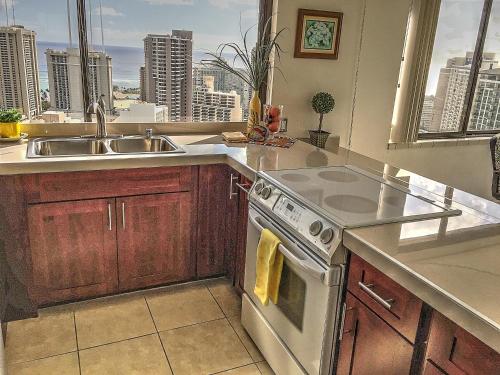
[(213, 209), (369, 345), (73, 249), (457, 352), (154, 239), (241, 245)]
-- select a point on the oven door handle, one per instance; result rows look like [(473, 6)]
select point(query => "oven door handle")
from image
[(306, 264)]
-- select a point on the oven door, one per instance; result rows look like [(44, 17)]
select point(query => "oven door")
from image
[(304, 318)]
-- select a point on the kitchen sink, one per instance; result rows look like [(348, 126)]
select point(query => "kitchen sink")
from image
[(69, 147), (79, 146), (141, 144)]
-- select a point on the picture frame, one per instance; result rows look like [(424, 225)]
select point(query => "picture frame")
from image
[(318, 34)]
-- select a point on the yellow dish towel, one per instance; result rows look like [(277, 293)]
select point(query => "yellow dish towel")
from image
[(269, 267)]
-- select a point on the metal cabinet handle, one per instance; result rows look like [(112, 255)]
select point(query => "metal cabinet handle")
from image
[(368, 288), (123, 215), (109, 217), (244, 187), (231, 181)]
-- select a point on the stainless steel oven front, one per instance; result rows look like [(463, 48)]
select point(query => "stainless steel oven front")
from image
[(303, 320)]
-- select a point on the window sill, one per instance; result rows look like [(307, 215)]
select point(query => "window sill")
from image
[(429, 143)]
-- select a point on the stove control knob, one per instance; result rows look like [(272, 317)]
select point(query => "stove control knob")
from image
[(327, 235), (315, 227), (266, 192), (258, 187)]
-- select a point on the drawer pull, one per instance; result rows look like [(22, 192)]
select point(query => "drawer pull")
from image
[(109, 217), (368, 288)]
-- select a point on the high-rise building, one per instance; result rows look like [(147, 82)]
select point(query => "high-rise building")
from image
[(65, 79), (451, 90), (210, 105), (168, 72), (485, 114), (427, 112), (142, 84), (224, 82), (19, 85)]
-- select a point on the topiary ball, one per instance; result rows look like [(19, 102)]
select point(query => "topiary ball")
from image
[(323, 102)]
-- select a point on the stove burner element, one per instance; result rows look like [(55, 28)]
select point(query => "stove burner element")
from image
[(351, 203), (295, 177), (338, 176)]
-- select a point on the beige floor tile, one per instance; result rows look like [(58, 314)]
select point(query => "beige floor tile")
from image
[(111, 320), (65, 364), (52, 333), (245, 370), (204, 348), (245, 339), (264, 368), (226, 296), (139, 356), (183, 306)]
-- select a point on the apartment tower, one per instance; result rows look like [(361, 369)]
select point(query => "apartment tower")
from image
[(210, 105), (19, 87), (168, 72), (65, 79)]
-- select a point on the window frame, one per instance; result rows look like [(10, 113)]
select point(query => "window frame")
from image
[(471, 87)]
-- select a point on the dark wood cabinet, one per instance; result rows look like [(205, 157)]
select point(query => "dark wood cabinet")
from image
[(155, 239), (73, 249), (241, 243), (457, 352), (370, 286), (369, 345), (213, 209)]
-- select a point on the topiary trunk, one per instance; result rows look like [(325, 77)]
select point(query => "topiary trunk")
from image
[(320, 122)]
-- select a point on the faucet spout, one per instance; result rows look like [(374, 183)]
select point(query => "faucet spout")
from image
[(98, 108)]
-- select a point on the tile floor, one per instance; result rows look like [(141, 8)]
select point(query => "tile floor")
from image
[(183, 330)]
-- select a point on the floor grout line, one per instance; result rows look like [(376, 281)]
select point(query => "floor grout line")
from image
[(234, 368), (118, 341), (241, 341), (40, 358), (77, 346), (159, 338)]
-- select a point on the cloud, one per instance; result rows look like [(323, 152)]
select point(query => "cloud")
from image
[(170, 2), (229, 3), (250, 14), (108, 11)]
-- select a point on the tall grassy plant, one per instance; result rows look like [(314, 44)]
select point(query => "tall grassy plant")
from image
[(256, 60)]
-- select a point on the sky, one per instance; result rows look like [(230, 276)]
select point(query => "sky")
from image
[(457, 32), (126, 22)]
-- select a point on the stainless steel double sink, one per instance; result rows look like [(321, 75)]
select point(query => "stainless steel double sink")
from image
[(90, 146)]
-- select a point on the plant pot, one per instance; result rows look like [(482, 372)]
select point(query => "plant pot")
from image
[(318, 138), (10, 129)]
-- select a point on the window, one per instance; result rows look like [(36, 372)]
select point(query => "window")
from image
[(144, 59), (156, 47), (462, 93)]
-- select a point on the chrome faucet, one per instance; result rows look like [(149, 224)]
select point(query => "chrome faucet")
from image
[(98, 108)]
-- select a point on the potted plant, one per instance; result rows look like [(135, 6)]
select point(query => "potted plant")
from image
[(256, 63), (322, 103), (9, 123)]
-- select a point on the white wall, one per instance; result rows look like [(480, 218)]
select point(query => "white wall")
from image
[(383, 22), (305, 77)]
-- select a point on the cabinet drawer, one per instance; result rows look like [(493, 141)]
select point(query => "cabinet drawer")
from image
[(397, 306), (431, 369), (64, 186), (457, 352)]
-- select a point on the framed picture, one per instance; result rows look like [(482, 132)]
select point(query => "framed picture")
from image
[(318, 34)]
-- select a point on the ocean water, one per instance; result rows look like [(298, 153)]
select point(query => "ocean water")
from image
[(126, 62)]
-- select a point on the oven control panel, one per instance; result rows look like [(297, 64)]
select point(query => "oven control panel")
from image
[(314, 228), (308, 224)]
